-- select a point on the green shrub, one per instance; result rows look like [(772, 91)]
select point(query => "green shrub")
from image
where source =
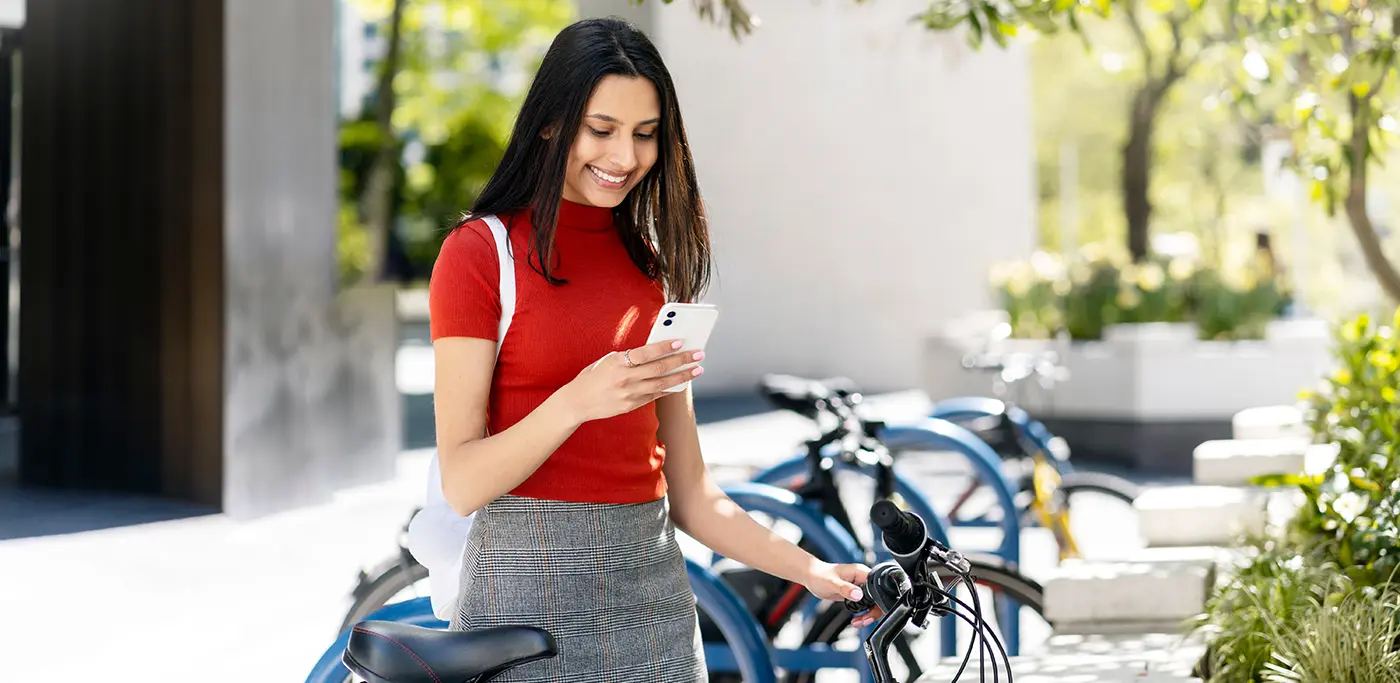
[(1265, 593), (1353, 508), (1320, 603), (1101, 286), (1354, 641)]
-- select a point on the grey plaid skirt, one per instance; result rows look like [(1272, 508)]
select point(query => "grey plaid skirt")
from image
[(608, 581)]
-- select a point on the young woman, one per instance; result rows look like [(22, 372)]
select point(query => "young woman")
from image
[(578, 465)]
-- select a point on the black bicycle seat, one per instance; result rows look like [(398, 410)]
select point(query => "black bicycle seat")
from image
[(798, 394), (391, 652)]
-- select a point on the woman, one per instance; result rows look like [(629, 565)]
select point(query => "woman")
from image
[(577, 463)]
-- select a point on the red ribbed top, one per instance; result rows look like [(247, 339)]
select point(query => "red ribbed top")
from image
[(606, 305)]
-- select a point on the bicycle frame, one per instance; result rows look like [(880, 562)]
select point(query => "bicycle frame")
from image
[(1035, 442)]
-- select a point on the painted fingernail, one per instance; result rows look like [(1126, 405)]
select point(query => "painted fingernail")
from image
[(676, 344), (857, 594), (697, 372), (699, 355)]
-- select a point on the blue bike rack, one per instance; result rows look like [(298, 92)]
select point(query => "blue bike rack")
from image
[(832, 542), (724, 608), (934, 434), (797, 467), (971, 407)]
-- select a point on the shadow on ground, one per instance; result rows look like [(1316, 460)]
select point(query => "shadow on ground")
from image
[(34, 512)]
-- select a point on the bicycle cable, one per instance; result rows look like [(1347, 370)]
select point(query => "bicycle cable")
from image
[(981, 626)]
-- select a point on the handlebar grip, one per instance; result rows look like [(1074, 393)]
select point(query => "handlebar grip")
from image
[(904, 531), (867, 600)]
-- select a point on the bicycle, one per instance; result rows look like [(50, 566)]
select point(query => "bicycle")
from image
[(854, 444), (1046, 480), (908, 588)]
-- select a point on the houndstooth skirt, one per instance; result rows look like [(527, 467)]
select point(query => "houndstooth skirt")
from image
[(607, 580)]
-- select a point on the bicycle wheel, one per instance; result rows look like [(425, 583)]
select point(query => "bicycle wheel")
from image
[(380, 585), (1099, 482), (1001, 578)]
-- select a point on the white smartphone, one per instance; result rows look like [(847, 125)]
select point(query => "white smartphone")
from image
[(691, 323)]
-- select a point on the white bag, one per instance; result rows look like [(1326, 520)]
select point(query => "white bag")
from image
[(437, 535)]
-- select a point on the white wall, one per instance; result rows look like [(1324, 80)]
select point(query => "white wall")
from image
[(860, 175), (12, 13)]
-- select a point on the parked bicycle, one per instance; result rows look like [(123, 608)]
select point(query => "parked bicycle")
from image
[(1046, 482), (909, 588)]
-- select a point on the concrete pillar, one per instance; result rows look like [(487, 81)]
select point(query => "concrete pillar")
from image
[(181, 332)]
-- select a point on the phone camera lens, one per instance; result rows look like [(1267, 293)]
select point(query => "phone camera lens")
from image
[(671, 314), (666, 322)]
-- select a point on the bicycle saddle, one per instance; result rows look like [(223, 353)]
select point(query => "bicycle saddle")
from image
[(391, 652), (800, 394)]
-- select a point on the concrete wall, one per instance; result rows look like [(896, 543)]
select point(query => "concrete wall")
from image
[(181, 332), (310, 404), (860, 175)]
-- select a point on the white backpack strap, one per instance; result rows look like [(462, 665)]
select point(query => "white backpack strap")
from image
[(507, 285), (437, 536)]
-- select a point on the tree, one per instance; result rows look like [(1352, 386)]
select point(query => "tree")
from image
[(447, 84), (1344, 52), (1170, 38), (377, 201), (1339, 58)]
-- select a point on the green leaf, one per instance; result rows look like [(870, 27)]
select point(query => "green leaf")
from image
[(974, 30), (1286, 479)]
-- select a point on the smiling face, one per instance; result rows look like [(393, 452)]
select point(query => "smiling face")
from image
[(616, 144)]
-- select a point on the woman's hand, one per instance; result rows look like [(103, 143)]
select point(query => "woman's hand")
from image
[(837, 582), (621, 382)]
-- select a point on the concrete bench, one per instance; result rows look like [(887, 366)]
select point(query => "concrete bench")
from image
[(1199, 515), (1129, 596), (1269, 422), (1233, 462)]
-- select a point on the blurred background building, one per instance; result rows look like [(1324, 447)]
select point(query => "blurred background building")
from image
[(182, 331), (208, 304)]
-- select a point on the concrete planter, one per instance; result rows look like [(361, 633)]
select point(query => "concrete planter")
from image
[(1147, 394)]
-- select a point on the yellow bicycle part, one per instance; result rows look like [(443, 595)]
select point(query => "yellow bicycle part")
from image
[(1050, 508)]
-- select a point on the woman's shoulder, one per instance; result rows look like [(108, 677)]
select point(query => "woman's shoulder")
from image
[(473, 240)]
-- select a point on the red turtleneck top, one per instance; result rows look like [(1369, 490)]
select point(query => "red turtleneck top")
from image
[(607, 305)]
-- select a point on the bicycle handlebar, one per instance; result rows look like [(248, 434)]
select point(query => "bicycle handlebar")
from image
[(909, 589), (904, 531)]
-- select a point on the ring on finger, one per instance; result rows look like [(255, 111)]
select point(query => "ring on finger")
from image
[(626, 355)]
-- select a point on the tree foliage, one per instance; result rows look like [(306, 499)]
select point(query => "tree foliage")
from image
[(1339, 56), (1337, 62), (461, 70)]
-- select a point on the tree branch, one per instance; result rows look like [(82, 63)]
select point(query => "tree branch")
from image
[(1130, 10), (1360, 219)]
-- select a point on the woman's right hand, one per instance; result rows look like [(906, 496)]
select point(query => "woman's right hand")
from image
[(624, 381)]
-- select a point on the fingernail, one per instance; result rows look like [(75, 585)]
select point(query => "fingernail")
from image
[(699, 355), (697, 371), (857, 594), (676, 344)]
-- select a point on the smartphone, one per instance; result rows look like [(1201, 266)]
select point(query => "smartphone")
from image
[(691, 323)]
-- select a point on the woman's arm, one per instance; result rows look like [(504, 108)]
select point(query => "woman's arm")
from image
[(477, 469), (701, 509)]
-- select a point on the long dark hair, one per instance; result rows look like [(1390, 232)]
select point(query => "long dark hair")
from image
[(662, 220)]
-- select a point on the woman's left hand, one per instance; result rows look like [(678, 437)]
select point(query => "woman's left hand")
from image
[(837, 582)]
